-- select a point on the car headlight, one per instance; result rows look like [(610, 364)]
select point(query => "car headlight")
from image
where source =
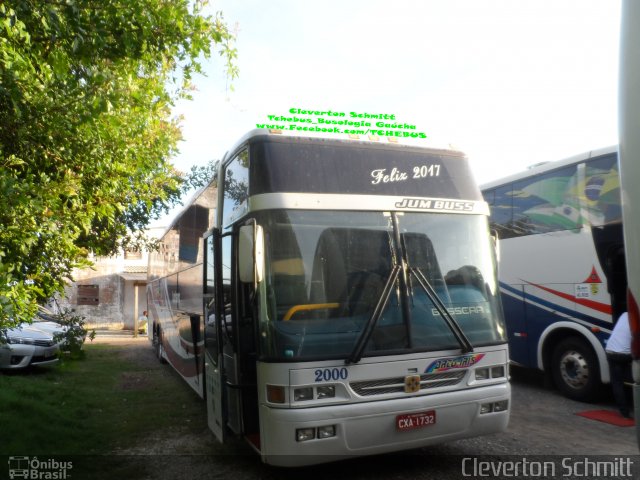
[(20, 340)]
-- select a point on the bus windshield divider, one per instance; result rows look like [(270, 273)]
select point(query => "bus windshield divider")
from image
[(356, 354)]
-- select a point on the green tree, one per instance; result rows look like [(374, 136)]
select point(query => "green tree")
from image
[(86, 131)]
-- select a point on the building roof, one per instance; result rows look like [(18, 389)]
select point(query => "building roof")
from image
[(136, 277), (135, 269)]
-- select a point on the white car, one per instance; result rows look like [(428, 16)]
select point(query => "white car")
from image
[(48, 325), (67, 336), (27, 345)]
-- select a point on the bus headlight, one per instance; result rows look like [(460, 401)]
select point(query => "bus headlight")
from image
[(327, 431), (304, 434), (302, 394), (501, 406), (485, 373), (486, 408), (326, 391)]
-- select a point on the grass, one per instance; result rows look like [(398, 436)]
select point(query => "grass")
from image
[(103, 404), (117, 413)]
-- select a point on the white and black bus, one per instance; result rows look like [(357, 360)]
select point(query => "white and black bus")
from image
[(351, 304)]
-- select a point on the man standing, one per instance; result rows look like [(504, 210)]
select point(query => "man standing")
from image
[(143, 320), (619, 357)]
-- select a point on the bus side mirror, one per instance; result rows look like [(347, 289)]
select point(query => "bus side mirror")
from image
[(496, 244), (251, 254)]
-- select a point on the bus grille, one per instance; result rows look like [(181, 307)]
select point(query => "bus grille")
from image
[(396, 384)]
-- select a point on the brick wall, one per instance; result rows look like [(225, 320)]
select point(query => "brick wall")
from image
[(107, 274)]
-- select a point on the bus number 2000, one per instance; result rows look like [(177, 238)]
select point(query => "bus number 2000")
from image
[(334, 374)]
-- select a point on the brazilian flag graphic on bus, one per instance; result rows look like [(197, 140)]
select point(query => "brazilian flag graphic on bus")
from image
[(568, 198)]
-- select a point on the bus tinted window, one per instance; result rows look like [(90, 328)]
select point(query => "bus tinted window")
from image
[(173, 292), (546, 203), (564, 199), (311, 166), (326, 273), (190, 288), (501, 212), (193, 223), (601, 193), (236, 188)]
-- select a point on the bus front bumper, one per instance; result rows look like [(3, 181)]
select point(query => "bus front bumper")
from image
[(372, 427)]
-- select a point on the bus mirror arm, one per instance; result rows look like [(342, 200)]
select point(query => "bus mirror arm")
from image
[(259, 253), (246, 270)]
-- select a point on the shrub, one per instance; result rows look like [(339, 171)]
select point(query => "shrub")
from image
[(74, 333)]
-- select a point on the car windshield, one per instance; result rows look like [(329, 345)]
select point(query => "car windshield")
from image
[(352, 284)]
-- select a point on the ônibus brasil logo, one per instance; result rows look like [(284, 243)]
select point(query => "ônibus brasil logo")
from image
[(463, 361), (32, 468)]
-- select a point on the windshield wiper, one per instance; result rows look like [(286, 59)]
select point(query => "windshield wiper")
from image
[(356, 354), (442, 309)]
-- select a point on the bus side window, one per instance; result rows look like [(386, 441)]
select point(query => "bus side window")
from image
[(601, 195), (547, 203), (236, 188), (501, 212)]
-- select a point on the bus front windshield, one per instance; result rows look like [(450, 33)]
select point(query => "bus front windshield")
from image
[(353, 284)]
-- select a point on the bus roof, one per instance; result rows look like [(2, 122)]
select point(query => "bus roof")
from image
[(257, 135), (307, 164), (375, 142), (201, 196), (543, 167)]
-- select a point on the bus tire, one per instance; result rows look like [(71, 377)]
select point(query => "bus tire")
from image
[(575, 369), (157, 345)]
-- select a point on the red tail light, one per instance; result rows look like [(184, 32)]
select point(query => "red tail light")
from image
[(634, 324)]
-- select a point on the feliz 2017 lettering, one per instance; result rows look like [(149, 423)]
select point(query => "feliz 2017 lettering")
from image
[(381, 176)]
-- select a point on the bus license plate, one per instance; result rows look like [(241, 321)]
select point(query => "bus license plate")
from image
[(410, 421)]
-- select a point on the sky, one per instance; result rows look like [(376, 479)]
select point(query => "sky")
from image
[(509, 82)]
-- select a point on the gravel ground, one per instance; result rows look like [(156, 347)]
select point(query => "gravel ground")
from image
[(543, 423)]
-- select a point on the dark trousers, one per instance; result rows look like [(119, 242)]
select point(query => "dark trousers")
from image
[(620, 371)]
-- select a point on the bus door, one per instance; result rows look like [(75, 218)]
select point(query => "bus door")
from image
[(243, 410), (213, 312)]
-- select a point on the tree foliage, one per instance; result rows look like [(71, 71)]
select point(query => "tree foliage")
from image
[(86, 132)]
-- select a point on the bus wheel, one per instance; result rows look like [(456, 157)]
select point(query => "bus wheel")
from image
[(575, 369), (157, 345)]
